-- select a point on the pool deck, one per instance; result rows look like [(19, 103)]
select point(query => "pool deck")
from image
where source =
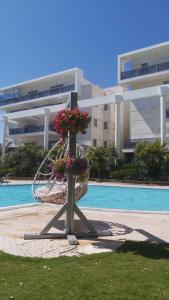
[(14, 223)]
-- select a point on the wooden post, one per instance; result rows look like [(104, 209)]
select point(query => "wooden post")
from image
[(71, 179)]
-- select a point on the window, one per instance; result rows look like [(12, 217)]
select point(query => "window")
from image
[(145, 65), (105, 125), (105, 144), (10, 93), (33, 94), (144, 69), (56, 89), (167, 113), (94, 143), (166, 81), (105, 106), (95, 122)]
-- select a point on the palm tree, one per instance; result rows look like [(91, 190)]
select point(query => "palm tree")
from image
[(102, 160), (97, 160), (151, 158)]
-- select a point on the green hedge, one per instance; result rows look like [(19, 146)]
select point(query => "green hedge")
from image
[(150, 162), (22, 162)]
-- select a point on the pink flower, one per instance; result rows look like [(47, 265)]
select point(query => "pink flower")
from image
[(69, 163), (72, 120), (50, 166)]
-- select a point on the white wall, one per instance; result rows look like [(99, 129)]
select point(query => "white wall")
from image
[(145, 118)]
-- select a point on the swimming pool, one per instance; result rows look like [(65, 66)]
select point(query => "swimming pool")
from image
[(147, 199)]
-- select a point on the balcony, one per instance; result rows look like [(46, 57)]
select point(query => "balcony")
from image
[(33, 107), (145, 70), (36, 94), (28, 129)]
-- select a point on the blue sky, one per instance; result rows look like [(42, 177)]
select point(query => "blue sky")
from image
[(39, 37)]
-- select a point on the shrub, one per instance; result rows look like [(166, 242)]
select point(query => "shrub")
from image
[(151, 159), (102, 161), (128, 173), (22, 162)]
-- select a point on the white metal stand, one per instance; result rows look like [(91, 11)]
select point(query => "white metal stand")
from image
[(70, 208)]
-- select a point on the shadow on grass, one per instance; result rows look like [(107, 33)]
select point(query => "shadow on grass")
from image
[(146, 249)]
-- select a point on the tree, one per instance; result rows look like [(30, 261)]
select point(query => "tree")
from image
[(102, 161), (23, 161), (151, 159)]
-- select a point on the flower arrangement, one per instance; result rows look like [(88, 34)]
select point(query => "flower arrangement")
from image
[(71, 120), (58, 167), (75, 166)]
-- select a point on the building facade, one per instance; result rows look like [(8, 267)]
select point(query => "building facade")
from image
[(134, 110), (144, 76), (30, 108)]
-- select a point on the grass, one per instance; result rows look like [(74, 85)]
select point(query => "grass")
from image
[(135, 271)]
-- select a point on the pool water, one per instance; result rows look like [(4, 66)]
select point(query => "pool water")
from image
[(16, 195), (97, 196), (129, 198)]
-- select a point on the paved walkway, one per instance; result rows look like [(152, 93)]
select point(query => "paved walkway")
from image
[(124, 226)]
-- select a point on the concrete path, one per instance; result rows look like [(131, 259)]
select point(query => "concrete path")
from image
[(124, 226)]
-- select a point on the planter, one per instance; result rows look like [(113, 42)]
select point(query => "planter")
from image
[(71, 120), (76, 166)]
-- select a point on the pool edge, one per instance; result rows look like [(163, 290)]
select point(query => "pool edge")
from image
[(165, 212), (17, 206), (6, 208)]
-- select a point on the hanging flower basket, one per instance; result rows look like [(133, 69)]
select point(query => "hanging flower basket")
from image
[(71, 120), (59, 167), (75, 166)]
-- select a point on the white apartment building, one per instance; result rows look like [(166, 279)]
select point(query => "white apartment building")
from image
[(144, 76), (30, 108), (136, 109)]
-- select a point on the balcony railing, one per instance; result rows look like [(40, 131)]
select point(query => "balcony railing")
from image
[(34, 95), (33, 107), (28, 129), (145, 70)]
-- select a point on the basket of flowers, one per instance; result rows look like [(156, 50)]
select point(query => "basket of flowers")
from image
[(58, 167), (76, 166), (71, 120)]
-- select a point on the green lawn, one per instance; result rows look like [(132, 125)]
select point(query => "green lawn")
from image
[(135, 271)]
